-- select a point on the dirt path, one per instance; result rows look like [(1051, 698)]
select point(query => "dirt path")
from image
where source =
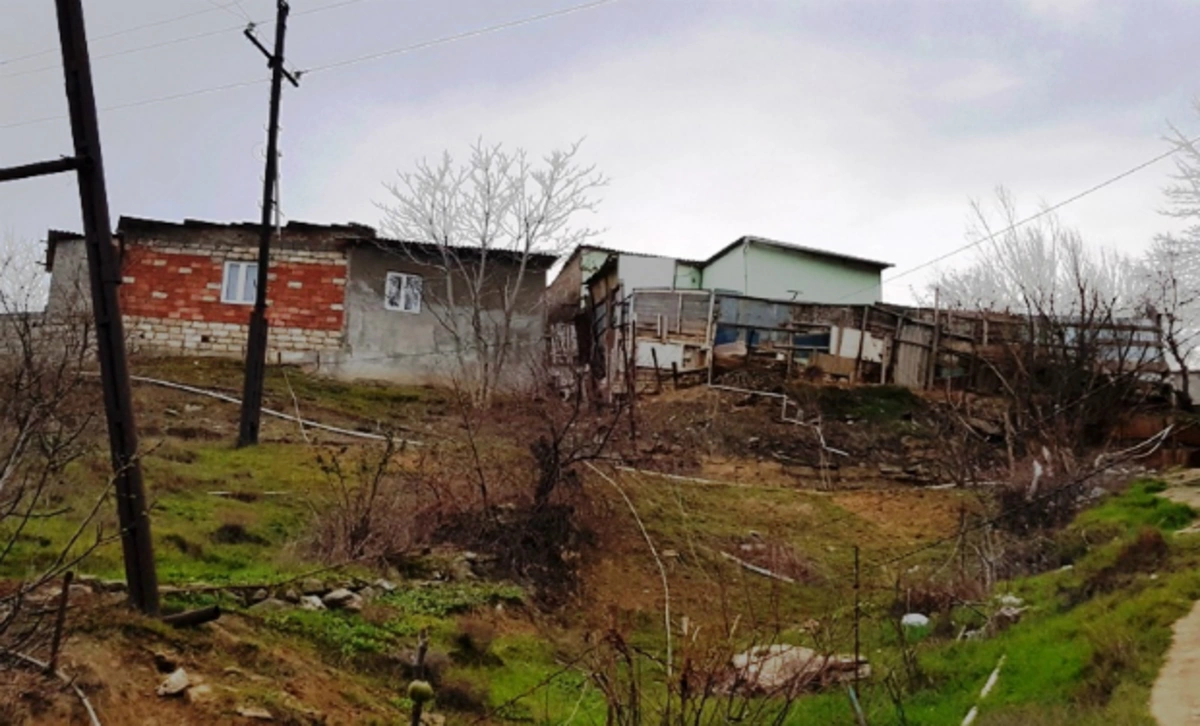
[(1175, 700)]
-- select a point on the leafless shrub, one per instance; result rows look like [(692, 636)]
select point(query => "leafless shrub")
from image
[(45, 420), (368, 512)]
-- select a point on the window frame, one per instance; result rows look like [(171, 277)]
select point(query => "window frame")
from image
[(405, 281), (244, 266)]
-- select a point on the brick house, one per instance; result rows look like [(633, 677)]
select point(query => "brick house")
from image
[(340, 298)]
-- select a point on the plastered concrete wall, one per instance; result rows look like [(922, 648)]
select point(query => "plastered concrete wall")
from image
[(794, 275), (727, 272), (419, 348), (780, 274)]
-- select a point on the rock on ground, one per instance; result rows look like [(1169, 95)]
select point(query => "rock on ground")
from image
[(342, 598), (175, 684), (311, 602), (789, 669), (254, 712)]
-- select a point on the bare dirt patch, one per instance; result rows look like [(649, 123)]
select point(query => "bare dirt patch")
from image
[(910, 513)]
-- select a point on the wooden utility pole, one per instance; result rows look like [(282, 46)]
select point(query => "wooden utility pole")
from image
[(104, 274), (256, 342)]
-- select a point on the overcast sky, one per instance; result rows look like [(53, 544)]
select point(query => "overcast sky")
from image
[(863, 127)]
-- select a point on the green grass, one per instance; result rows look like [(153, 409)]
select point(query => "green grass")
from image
[(1140, 506), (1090, 662), (1077, 656)]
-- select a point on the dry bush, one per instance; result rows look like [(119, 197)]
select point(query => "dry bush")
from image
[(462, 695), (1114, 655), (935, 596), (1144, 553), (46, 422), (473, 642), (369, 512)]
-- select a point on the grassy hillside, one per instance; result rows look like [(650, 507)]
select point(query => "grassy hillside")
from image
[(228, 522)]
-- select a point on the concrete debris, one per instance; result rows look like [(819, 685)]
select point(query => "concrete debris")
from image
[(311, 602), (790, 670), (915, 620), (175, 684)]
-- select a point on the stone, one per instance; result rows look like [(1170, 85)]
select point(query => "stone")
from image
[(915, 620), (259, 595), (255, 712), (385, 585), (202, 693), (368, 593), (312, 586), (192, 407), (113, 586), (291, 595), (311, 602), (432, 719), (339, 598), (269, 605), (175, 684), (1011, 601), (791, 669)]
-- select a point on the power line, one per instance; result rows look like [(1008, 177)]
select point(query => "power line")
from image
[(184, 39), (461, 36), (1022, 222), (154, 24), (242, 84), (146, 102)]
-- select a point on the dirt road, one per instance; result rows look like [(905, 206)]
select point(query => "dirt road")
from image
[(1175, 700)]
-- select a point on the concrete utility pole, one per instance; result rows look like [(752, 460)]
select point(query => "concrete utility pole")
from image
[(256, 342), (104, 274)]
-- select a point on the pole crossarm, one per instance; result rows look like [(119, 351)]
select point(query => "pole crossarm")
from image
[(41, 168), (249, 33)]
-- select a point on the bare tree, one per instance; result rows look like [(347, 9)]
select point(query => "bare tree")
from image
[(1170, 271), (487, 222), (1171, 267), (1077, 347)]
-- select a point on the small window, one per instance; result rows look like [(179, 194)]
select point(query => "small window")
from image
[(402, 292), (240, 284)]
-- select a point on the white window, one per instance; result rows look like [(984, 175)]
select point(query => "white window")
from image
[(402, 292), (240, 284)]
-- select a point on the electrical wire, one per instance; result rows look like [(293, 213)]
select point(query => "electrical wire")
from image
[(184, 39), (126, 31), (1024, 221), (461, 36), (241, 84)]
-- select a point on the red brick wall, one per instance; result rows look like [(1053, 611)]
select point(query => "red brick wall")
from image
[(187, 287)]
